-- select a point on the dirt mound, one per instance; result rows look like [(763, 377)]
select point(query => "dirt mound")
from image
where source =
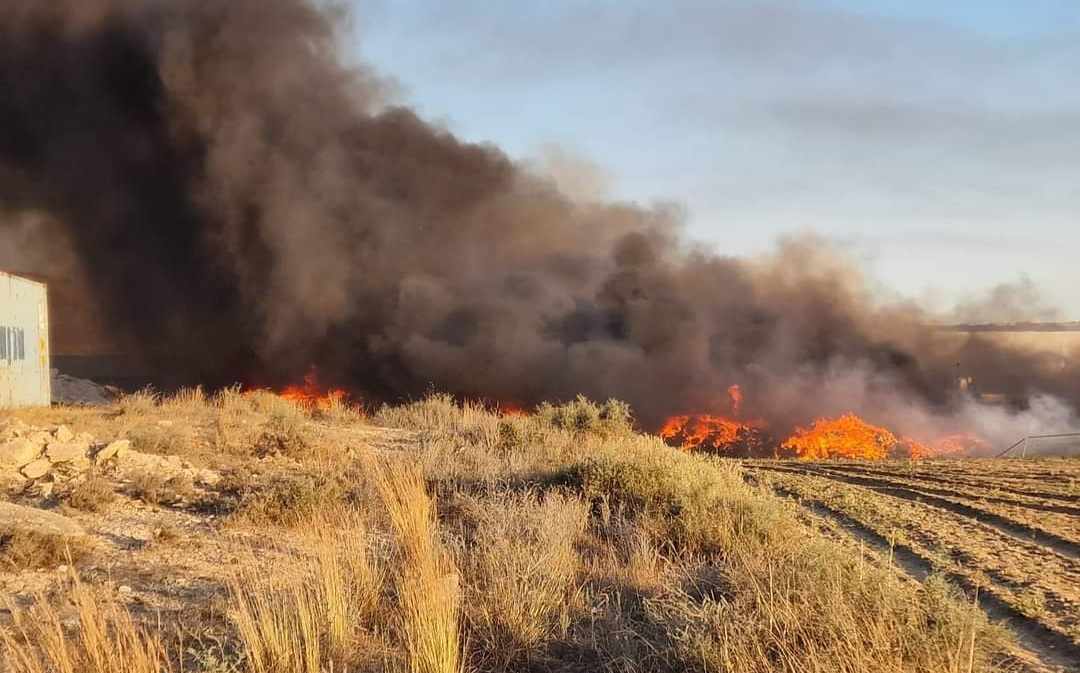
[(75, 391)]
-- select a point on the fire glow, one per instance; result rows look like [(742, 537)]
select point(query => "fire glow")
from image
[(712, 431), (312, 394), (844, 437)]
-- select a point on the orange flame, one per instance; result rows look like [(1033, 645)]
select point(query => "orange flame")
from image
[(312, 394), (959, 444), (845, 437), (699, 431), (705, 430), (735, 393), (851, 437), (510, 409)]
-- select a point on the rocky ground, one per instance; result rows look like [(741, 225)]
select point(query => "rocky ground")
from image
[(72, 497)]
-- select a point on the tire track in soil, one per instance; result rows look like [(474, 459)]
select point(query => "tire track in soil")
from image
[(1041, 642), (918, 476), (1006, 526)]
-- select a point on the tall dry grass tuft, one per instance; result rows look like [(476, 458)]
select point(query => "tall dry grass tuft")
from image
[(186, 400), (278, 625), (272, 404), (521, 569), (106, 639), (138, 403), (348, 578), (338, 410), (311, 613), (428, 590)]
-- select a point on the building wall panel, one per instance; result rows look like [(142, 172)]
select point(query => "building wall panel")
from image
[(24, 343)]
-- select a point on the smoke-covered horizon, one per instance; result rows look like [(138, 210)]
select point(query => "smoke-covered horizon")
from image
[(245, 205)]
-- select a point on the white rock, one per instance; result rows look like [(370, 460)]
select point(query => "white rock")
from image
[(64, 434), (112, 449), (36, 469), (44, 489), (20, 518), (18, 452), (66, 452), (40, 437)]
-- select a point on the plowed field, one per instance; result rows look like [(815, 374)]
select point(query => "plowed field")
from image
[(1006, 531)]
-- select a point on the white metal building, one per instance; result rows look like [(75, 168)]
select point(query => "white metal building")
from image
[(24, 343)]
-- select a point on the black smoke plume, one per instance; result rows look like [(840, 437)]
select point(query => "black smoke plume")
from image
[(242, 205)]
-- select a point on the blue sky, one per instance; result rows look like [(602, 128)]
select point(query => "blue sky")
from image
[(939, 142)]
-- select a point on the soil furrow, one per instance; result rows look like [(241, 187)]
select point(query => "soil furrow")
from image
[(919, 477), (1054, 543), (1045, 644)]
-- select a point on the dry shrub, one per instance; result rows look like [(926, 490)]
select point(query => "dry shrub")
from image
[(28, 550), (290, 500), (521, 567), (186, 400), (106, 639), (698, 504), (92, 493), (284, 434), (157, 489), (173, 439), (427, 581), (583, 416), (335, 409), (782, 598), (139, 403)]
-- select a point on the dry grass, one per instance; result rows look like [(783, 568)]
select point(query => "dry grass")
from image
[(581, 545), (279, 626), (339, 411), (143, 402), (157, 489), (91, 493), (316, 611), (521, 572), (105, 639), (28, 550), (427, 580), (185, 400)]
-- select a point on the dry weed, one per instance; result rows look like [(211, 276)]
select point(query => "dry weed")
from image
[(139, 403), (28, 550), (106, 640), (521, 569), (92, 493), (428, 592), (316, 612)]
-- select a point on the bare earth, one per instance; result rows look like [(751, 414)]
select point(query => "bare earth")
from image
[(1008, 528)]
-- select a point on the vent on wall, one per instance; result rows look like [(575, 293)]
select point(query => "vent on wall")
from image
[(12, 344)]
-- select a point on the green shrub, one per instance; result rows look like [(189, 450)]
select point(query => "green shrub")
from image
[(583, 416)]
